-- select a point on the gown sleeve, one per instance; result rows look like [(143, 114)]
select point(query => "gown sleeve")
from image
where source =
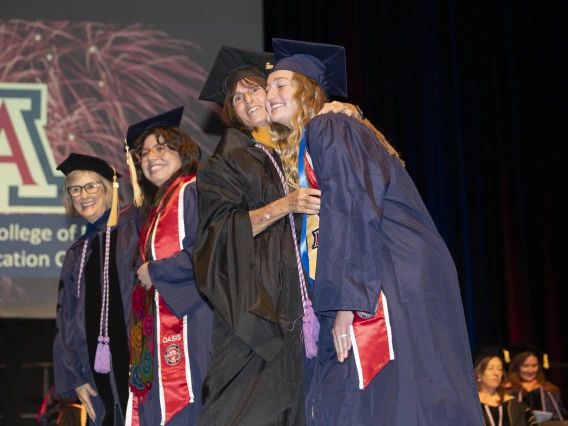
[(173, 276), (68, 370), (225, 256), (353, 174)]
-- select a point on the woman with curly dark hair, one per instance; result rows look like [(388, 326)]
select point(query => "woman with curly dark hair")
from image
[(170, 324)]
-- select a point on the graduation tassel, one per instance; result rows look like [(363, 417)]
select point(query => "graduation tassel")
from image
[(114, 213), (311, 326), (311, 329), (103, 356), (137, 193), (545, 363)]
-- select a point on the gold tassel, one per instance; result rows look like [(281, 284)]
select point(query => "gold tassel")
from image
[(136, 192), (114, 213), (506, 356), (545, 363)]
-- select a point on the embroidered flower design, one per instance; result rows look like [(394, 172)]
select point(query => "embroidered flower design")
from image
[(138, 299), (146, 364), (136, 341), (135, 378), (148, 325)]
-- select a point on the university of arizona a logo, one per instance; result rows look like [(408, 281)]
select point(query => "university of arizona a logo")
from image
[(28, 182), (316, 234)]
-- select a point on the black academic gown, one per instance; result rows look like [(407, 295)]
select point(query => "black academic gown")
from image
[(376, 234), (255, 375), (513, 413), (79, 310)]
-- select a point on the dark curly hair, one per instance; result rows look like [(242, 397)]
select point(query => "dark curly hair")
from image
[(176, 140)]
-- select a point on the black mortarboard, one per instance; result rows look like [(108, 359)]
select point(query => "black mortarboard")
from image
[(232, 65), (165, 119), (324, 63), (490, 351), (86, 162), (519, 348)]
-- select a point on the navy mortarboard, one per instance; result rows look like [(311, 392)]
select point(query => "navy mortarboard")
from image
[(231, 65), (324, 63), (165, 119), (93, 164)]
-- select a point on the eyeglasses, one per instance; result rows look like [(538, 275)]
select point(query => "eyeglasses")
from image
[(158, 150), (90, 188)]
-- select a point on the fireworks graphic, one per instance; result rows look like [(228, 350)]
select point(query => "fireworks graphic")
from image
[(101, 77)]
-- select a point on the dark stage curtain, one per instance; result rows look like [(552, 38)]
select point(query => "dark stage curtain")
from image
[(470, 94)]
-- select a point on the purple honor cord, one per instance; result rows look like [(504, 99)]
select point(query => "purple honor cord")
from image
[(311, 326), (102, 356)]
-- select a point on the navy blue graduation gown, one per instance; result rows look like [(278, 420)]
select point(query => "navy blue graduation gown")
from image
[(255, 375), (174, 279), (78, 316), (376, 234)]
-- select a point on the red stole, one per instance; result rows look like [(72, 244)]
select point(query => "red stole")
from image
[(165, 231), (371, 337), (370, 333)]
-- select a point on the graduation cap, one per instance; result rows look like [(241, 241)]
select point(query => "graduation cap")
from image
[(165, 119), (490, 351), (86, 162), (232, 65), (324, 63), (93, 164), (519, 348)]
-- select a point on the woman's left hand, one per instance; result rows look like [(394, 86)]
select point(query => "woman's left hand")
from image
[(341, 336), (339, 108), (144, 277)]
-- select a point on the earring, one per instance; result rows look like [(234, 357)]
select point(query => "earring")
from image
[(479, 379)]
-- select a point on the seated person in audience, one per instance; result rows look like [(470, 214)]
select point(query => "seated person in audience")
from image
[(498, 407), (528, 384)]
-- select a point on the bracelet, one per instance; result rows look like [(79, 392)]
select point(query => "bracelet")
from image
[(360, 112)]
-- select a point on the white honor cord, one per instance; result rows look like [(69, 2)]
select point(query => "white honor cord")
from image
[(490, 416), (543, 402)]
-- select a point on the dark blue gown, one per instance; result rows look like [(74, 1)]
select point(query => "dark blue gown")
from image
[(376, 234), (78, 322), (174, 279)]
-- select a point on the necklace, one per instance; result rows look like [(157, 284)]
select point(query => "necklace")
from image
[(490, 416)]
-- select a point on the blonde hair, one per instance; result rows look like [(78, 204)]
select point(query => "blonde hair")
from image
[(70, 209), (307, 100)]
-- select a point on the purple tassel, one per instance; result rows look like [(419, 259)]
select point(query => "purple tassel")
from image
[(102, 357), (311, 329)]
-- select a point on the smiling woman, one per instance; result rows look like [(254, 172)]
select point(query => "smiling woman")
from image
[(170, 322), (83, 197), (86, 363), (498, 407)]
